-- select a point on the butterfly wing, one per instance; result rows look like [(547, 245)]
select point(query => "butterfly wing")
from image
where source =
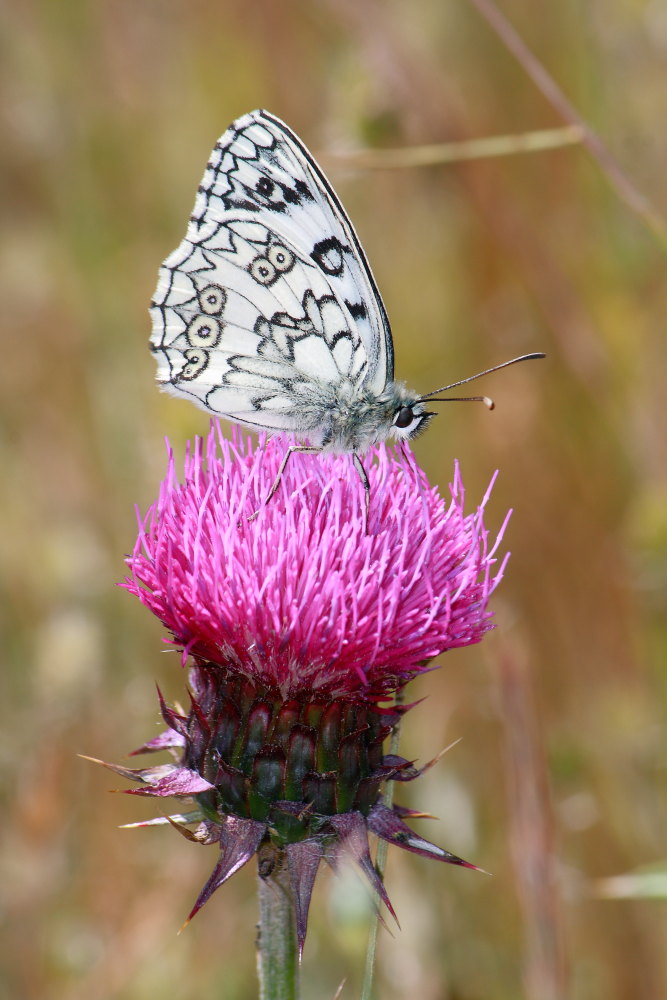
[(268, 303)]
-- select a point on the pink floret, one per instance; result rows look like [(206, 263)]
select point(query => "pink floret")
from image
[(306, 597)]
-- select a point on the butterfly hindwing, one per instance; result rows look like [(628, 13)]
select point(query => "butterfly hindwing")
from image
[(269, 301), (238, 344)]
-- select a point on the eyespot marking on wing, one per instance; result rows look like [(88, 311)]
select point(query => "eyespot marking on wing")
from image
[(204, 331), (212, 300), (195, 363)]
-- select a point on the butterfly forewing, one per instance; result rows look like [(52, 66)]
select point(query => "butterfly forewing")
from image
[(268, 303)]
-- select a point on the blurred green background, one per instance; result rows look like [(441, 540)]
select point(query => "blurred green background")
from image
[(110, 110)]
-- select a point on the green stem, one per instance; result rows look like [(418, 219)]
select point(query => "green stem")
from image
[(277, 949), (380, 862)]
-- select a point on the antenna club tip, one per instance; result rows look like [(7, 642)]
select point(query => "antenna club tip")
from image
[(488, 402)]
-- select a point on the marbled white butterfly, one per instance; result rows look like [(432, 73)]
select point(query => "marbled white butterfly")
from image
[(268, 313)]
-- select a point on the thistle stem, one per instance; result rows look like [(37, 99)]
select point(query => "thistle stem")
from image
[(277, 948), (380, 862)]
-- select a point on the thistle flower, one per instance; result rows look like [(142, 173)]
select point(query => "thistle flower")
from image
[(300, 624)]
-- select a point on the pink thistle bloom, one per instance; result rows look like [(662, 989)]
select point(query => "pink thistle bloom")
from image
[(303, 598), (301, 623)]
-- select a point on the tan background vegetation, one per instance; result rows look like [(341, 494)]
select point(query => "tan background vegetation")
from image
[(110, 110)]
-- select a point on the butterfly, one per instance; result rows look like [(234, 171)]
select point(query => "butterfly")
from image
[(268, 314)]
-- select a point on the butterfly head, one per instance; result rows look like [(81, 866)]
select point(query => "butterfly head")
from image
[(410, 419), (408, 414)]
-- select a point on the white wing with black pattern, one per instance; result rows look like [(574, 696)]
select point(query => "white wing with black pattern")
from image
[(268, 306)]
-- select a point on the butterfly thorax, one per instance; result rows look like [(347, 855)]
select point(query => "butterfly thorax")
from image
[(355, 421)]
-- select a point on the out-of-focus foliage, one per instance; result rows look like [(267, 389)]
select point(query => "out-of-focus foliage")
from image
[(110, 110)]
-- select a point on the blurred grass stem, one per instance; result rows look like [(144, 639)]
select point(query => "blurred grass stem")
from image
[(532, 833), (546, 84), (455, 152)]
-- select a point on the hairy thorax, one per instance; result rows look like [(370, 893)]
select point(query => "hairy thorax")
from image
[(354, 421)]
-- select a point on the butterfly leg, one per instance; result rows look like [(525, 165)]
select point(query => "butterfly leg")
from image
[(367, 486), (303, 448)]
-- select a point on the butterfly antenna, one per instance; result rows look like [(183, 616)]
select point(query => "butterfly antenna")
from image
[(488, 402), (430, 396)]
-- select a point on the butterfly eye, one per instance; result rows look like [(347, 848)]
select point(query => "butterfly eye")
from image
[(404, 417)]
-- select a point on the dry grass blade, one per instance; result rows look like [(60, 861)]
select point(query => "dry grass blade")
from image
[(619, 180), (532, 833), (456, 152)]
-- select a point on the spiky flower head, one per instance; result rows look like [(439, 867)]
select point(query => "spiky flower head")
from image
[(300, 624)]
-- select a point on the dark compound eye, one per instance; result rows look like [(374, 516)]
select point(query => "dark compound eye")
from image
[(404, 417)]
